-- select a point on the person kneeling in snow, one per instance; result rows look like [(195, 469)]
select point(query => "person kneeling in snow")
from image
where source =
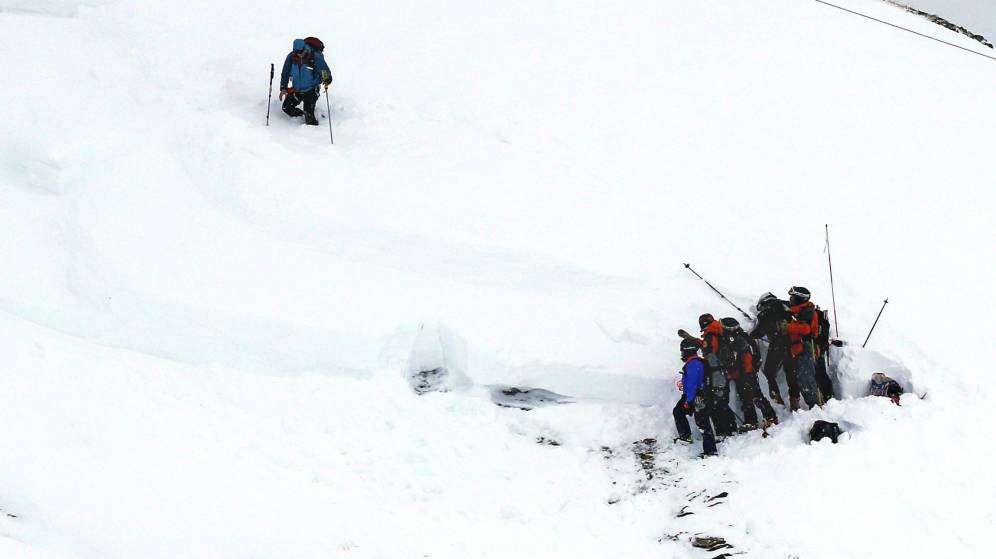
[(694, 399), (305, 69), (884, 386)]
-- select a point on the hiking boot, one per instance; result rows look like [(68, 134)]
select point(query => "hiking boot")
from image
[(770, 422), (777, 398), (683, 440), (794, 404), (708, 454), (746, 427), (309, 118)]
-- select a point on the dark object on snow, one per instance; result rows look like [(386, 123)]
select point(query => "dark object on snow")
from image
[(526, 398), (710, 543), (886, 387), (429, 381), (824, 429)]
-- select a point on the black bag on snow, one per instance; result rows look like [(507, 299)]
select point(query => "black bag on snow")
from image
[(823, 429)]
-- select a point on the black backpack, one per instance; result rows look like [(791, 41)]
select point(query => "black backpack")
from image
[(823, 340), (823, 429)]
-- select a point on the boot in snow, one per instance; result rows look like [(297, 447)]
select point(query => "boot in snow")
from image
[(777, 398), (309, 118), (683, 440), (794, 404), (746, 427)]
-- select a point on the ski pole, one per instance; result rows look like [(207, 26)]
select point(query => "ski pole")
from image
[(329, 107), (875, 323), (718, 292), (833, 295), (269, 98)]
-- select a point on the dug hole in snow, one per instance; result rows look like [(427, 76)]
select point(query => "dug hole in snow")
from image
[(438, 360)]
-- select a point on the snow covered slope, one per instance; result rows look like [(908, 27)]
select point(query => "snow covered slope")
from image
[(205, 323)]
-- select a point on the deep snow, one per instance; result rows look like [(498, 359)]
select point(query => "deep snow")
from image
[(205, 324)]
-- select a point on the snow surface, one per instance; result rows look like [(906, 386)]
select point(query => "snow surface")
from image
[(205, 323)]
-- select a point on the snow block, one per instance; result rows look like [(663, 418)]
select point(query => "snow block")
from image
[(853, 367), (438, 360)]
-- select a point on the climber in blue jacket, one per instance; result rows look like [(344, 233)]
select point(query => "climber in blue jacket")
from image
[(304, 71), (694, 399)]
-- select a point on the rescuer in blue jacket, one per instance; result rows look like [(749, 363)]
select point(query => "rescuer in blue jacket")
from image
[(305, 69), (694, 399)]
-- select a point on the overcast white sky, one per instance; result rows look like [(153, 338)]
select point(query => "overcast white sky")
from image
[(978, 16)]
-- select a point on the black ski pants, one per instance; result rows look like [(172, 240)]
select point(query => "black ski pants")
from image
[(309, 98), (774, 360), (702, 421), (749, 390), (722, 416)]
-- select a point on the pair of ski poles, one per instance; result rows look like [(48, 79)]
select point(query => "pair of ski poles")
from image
[(328, 105)]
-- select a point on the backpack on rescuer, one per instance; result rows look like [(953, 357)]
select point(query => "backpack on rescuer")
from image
[(315, 43)]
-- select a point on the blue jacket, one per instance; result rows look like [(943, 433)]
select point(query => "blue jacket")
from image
[(306, 74), (692, 378)]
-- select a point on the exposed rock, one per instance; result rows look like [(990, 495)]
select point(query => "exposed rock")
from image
[(942, 22)]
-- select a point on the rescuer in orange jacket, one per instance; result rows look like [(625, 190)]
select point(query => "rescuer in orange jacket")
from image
[(802, 331)]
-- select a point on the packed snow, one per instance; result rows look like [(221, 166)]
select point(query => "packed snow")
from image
[(212, 331)]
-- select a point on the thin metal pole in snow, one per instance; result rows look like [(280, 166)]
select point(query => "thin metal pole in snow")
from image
[(833, 295), (329, 107), (876, 322), (718, 292), (269, 98)]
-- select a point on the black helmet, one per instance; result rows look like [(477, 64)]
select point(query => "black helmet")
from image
[(705, 320), (765, 300), (689, 347), (730, 324), (798, 295)]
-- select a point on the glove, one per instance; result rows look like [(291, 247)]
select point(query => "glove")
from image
[(782, 327), (326, 78), (679, 385), (283, 93), (688, 409)]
